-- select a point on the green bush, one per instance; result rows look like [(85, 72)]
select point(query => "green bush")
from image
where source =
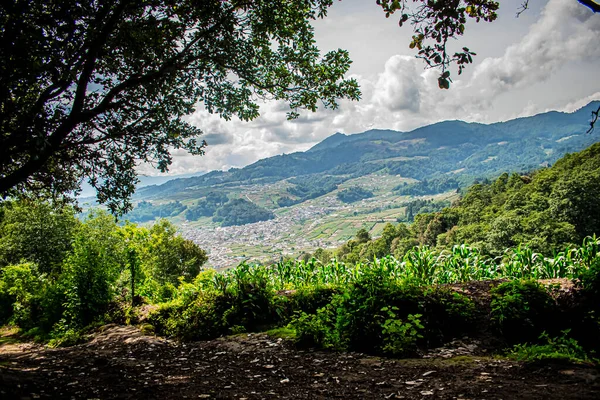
[(21, 291), (250, 301), (561, 348), (446, 314), (197, 320), (522, 310), (310, 299), (590, 282), (318, 329)]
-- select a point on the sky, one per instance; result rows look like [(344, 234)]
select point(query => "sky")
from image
[(547, 59)]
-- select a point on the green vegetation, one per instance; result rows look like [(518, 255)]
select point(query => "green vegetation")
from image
[(416, 207), (561, 348), (547, 210), (206, 207), (522, 310), (240, 212), (353, 194), (310, 187), (433, 186), (91, 272), (536, 216), (389, 295), (382, 307), (145, 211), (386, 306)]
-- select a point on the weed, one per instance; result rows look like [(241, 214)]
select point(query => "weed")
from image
[(561, 348)]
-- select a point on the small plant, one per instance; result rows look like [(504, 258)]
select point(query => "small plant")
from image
[(400, 337), (560, 348), (317, 330)]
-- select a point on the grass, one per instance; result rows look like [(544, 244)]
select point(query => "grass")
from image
[(283, 333), (10, 335)]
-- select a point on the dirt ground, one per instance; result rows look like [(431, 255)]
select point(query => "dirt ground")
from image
[(121, 363)]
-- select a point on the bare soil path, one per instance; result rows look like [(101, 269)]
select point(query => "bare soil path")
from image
[(121, 363)]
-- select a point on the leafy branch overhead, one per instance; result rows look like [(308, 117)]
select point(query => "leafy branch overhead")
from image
[(435, 23), (89, 90)]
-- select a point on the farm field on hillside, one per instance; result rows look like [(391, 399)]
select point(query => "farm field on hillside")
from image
[(323, 222)]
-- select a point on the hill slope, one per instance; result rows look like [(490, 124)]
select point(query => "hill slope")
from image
[(463, 149), (547, 211)]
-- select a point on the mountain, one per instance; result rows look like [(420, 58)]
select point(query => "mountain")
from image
[(463, 150)]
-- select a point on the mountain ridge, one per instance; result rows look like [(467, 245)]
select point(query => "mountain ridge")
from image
[(522, 143)]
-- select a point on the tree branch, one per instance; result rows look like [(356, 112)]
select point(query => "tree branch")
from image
[(591, 4), (594, 120)]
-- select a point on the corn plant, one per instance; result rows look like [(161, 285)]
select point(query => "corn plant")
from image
[(422, 264)]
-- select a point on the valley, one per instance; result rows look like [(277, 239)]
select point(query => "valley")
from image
[(324, 222), (300, 192)]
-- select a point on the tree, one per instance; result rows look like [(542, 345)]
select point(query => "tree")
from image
[(89, 90), (170, 256), (36, 232)]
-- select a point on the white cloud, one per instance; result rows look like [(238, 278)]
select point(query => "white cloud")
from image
[(566, 32), (402, 95), (398, 87)]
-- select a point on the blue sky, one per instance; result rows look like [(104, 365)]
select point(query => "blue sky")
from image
[(547, 59)]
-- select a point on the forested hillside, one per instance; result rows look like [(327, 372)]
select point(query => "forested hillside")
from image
[(546, 210)]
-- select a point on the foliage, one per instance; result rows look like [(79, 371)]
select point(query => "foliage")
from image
[(435, 23), (538, 217), (400, 337), (416, 207), (20, 289), (317, 329), (36, 232), (206, 207), (90, 272), (240, 212), (561, 348), (82, 99), (146, 211), (555, 207), (353, 194), (590, 278), (168, 256), (310, 187), (433, 186), (522, 310), (105, 264)]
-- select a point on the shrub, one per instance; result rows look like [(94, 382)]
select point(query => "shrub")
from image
[(21, 289), (561, 348), (522, 310), (310, 299), (445, 314), (318, 329), (197, 320), (590, 282)]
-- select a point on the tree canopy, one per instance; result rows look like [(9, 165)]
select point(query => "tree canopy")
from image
[(91, 89)]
